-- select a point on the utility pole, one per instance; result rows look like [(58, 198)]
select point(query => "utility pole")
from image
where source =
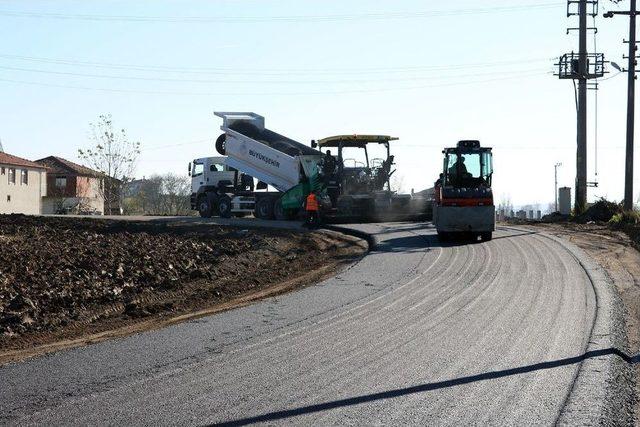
[(628, 168), (555, 167), (581, 154), (582, 67), (631, 71)]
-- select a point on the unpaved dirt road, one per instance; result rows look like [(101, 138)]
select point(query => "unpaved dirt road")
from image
[(415, 332)]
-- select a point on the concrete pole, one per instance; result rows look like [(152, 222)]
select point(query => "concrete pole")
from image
[(581, 155), (628, 170), (555, 167), (555, 199)]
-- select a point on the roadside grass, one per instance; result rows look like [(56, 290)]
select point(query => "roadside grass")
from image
[(625, 218)]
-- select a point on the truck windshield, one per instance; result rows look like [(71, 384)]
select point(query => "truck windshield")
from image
[(197, 169), (468, 169)]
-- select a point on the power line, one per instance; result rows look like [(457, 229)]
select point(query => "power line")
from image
[(179, 144), (274, 71), (236, 93), (183, 80), (512, 148), (278, 19)]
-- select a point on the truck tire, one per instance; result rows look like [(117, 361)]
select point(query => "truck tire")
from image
[(221, 144), (486, 237), (264, 208), (280, 213), (205, 207), (224, 206), (444, 236)]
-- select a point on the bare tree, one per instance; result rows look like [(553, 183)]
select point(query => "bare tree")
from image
[(114, 156), (143, 196), (176, 191), (166, 194)]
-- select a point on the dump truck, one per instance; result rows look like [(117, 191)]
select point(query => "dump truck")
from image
[(286, 172), (463, 196)]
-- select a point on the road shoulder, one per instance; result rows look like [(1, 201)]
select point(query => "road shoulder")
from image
[(613, 267)]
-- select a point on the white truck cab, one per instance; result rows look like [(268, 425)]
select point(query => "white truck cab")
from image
[(209, 171), (219, 189)]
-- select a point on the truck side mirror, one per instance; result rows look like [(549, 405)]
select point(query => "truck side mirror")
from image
[(189, 169), (314, 144)]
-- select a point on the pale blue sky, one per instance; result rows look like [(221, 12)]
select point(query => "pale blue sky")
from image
[(428, 72)]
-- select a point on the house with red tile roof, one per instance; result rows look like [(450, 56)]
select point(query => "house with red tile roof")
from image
[(23, 185), (72, 188)]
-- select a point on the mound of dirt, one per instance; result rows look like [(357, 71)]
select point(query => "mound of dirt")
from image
[(64, 274), (554, 217), (601, 211)]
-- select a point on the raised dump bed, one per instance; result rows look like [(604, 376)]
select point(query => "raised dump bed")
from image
[(263, 154)]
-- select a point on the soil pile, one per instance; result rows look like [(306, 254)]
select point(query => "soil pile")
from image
[(601, 211), (554, 217), (64, 273)]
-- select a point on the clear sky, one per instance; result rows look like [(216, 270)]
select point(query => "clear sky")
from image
[(428, 72)]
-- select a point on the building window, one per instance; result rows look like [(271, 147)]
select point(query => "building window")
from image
[(8, 198), (2, 171), (61, 181), (24, 177), (12, 176)]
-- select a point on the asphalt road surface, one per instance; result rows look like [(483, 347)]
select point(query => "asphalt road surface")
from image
[(415, 332)]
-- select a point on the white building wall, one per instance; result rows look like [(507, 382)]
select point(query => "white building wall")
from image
[(18, 197)]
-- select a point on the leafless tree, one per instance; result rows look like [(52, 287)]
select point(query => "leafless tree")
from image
[(176, 190), (114, 156), (166, 194)]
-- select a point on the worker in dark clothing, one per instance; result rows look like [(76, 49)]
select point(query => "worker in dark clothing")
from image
[(328, 167), (458, 171), (312, 209)]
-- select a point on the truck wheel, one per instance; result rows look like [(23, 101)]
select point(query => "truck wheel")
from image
[(280, 213), (204, 206), (224, 207), (444, 236), (221, 144), (264, 208), (486, 237)]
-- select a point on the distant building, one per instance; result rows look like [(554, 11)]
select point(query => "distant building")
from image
[(72, 188), (135, 188), (22, 185)]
